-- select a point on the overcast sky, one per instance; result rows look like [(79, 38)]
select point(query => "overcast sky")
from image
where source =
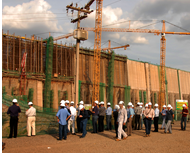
[(42, 16)]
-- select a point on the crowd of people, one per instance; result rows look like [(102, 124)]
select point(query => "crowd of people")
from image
[(130, 118)]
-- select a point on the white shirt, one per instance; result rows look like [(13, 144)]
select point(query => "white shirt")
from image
[(156, 112), (31, 112), (73, 113)]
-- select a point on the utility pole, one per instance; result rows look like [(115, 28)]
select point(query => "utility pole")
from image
[(86, 11)]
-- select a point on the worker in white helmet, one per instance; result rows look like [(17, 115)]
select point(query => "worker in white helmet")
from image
[(138, 111), (71, 122), (78, 119), (163, 113), (115, 115), (130, 118), (169, 117), (102, 111), (95, 117), (14, 111), (156, 118), (108, 116), (184, 113), (121, 120), (31, 118)]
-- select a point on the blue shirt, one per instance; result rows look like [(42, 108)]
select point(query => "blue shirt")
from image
[(164, 111), (130, 112), (109, 111), (62, 115)]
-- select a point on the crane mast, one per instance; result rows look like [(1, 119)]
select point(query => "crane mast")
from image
[(97, 49)]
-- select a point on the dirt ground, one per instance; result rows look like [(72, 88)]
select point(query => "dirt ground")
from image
[(177, 142)]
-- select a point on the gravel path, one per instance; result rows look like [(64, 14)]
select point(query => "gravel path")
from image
[(178, 141)]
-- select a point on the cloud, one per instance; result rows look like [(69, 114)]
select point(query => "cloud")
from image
[(34, 16)]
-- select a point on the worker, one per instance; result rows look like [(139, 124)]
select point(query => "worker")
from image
[(133, 121), (138, 111), (68, 109), (156, 118), (71, 121), (13, 110), (146, 107), (142, 114), (102, 111), (108, 116), (184, 117), (149, 116), (78, 119), (169, 117), (121, 120), (83, 120), (163, 113), (115, 115), (62, 116), (130, 118), (62, 101), (31, 114), (95, 117)]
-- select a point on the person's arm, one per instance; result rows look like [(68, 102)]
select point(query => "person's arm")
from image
[(57, 119), (125, 117), (8, 112), (57, 115), (153, 114), (68, 117), (27, 112)]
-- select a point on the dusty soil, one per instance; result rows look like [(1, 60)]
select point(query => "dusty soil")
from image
[(177, 142)]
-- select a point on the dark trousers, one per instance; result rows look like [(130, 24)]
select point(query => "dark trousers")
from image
[(183, 119), (78, 124), (108, 121), (116, 128), (63, 131), (148, 123), (156, 124), (101, 123), (137, 121), (94, 123), (13, 125), (83, 124)]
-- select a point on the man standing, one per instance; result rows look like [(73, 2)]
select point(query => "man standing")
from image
[(108, 116), (13, 111), (62, 116), (102, 111), (149, 116), (130, 118), (156, 118), (83, 120), (169, 117), (121, 120), (163, 117), (115, 115), (31, 113), (95, 117), (71, 122), (78, 119), (138, 111), (133, 120), (68, 109), (184, 117)]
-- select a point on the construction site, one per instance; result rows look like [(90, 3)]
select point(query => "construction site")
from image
[(45, 72)]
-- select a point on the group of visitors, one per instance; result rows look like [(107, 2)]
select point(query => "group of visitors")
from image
[(123, 118)]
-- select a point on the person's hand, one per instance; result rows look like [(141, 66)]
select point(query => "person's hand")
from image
[(123, 123), (58, 120), (27, 110), (89, 109), (146, 116), (80, 116), (152, 118), (116, 122)]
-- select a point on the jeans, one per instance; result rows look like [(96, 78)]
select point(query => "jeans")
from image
[(83, 124), (148, 123), (163, 122), (183, 119), (94, 123), (137, 121), (169, 126), (156, 124), (63, 131), (108, 121), (101, 123), (78, 124), (13, 125)]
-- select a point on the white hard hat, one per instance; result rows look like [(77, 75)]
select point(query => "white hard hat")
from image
[(129, 104), (132, 105), (169, 105), (141, 103), (81, 103), (96, 102), (164, 106), (14, 101), (81, 107), (30, 103), (62, 104), (140, 106), (184, 105), (67, 101), (146, 105), (72, 102), (156, 105), (116, 107), (108, 104), (123, 106), (149, 103), (101, 103), (62, 101), (121, 102), (138, 103)]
